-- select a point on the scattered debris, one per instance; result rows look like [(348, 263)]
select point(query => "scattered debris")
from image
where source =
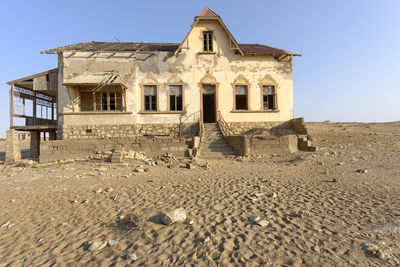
[(139, 168), (177, 215), (190, 165), (316, 248), (98, 191), (263, 223), (254, 218), (131, 256), (6, 224), (257, 220), (112, 242), (362, 170), (97, 245), (134, 220), (376, 250), (304, 213)]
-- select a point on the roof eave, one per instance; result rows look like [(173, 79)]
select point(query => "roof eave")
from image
[(32, 76), (77, 84)]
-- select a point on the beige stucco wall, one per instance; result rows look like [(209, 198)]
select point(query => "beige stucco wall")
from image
[(188, 68)]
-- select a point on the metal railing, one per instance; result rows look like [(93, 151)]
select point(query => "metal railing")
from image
[(225, 129)]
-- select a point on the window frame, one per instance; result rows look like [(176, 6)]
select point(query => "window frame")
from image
[(100, 92), (144, 98), (241, 81), (268, 80), (210, 42), (273, 97), (246, 95), (169, 97)]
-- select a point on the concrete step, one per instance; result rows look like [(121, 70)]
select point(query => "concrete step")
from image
[(217, 149), (213, 143), (208, 155), (216, 146), (216, 141)]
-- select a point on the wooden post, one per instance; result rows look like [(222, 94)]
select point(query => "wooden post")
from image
[(34, 108), (52, 109), (12, 105), (23, 106), (94, 101), (123, 95), (108, 101)]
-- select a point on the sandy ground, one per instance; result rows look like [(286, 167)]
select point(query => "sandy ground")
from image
[(49, 213)]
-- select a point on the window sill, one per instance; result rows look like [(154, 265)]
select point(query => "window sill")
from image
[(255, 111), (96, 113), (160, 112), (206, 53)]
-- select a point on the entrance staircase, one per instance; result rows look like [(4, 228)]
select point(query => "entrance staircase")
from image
[(304, 143), (213, 144)]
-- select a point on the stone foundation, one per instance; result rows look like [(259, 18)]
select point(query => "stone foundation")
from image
[(261, 145), (70, 149), (13, 150), (89, 132), (252, 128)]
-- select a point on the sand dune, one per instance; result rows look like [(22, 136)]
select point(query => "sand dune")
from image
[(50, 212)]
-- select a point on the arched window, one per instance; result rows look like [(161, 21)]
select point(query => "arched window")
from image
[(268, 88), (241, 97), (149, 95)]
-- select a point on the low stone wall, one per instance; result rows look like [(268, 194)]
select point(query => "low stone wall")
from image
[(251, 128), (67, 149), (264, 144), (88, 132), (239, 144)]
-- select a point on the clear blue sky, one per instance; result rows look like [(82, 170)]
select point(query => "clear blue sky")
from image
[(351, 49)]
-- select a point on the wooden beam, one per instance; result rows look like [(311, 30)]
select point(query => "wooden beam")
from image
[(34, 106), (33, 76), (11, 106), (94, 101), (52, 110)]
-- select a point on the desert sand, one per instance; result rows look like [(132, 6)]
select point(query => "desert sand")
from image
[(339, 206)]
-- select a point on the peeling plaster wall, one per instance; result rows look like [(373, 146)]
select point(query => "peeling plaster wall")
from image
[(187, 68)]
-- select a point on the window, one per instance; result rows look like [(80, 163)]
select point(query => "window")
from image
[(175, 97), (101, 101), (269, 97), (208, 41), (241, 97), (150, 97)]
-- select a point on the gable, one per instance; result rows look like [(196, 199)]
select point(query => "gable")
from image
[(208, 20), (222, 42)]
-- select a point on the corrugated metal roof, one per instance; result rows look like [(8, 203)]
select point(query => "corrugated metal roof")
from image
[(113, 47), (95, 79), (133, 47), (264, 49)]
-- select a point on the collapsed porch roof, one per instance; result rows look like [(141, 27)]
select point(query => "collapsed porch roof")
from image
[(28, 82), (95, 79)]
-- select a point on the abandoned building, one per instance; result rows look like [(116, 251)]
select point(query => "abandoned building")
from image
[(208, 93)]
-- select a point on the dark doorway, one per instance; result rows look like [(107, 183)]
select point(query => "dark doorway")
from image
[(208, 108)]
